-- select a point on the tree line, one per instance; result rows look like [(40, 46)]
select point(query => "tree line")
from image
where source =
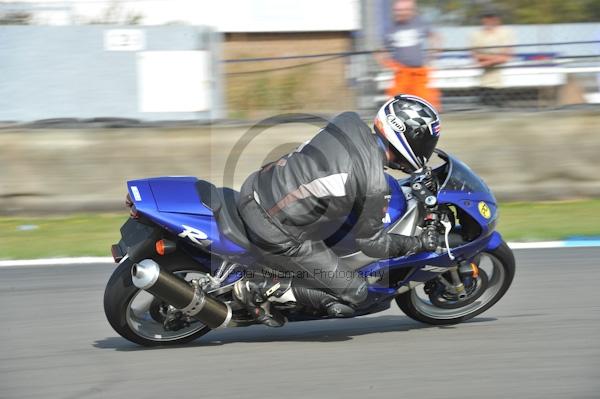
[(466, 12)]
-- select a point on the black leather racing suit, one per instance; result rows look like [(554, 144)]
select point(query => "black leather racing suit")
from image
[(291, 205)]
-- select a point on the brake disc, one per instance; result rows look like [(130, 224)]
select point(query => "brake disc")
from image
[(442, 298)]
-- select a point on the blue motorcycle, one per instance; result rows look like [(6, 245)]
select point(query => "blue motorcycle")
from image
[(184, 247)]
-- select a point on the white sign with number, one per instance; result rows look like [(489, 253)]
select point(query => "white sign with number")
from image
[(124, 40)]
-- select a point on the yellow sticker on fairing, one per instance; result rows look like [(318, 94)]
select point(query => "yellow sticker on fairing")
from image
[(485, 210)]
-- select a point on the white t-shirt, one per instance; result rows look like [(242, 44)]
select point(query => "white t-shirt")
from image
[(499, 36)]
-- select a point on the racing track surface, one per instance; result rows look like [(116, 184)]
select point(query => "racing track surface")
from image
[(541, 341)]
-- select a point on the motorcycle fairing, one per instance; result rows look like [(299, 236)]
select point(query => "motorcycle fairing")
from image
[(174, 204)]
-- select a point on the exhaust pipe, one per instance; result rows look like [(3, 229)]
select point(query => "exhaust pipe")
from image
[(148, 276)]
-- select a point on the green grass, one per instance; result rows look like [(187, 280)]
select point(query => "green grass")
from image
[(92, 234), (549, 220), (77, 235)]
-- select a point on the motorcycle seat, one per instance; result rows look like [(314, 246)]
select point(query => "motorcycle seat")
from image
[(223, 203)]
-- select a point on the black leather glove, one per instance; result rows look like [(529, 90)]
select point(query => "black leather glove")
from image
[(429, 238)]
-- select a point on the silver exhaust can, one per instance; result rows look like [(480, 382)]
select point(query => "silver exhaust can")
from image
[(147, 275)]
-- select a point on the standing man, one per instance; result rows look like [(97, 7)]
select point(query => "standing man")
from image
[(406, 40), (492, 34)]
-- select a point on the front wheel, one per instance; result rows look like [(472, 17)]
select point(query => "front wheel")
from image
[(431, 306)]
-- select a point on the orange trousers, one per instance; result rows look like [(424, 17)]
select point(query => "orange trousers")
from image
[(413, 80)]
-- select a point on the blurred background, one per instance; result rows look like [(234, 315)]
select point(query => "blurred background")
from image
[(96, 92)]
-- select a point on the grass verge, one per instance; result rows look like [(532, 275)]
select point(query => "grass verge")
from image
[(92, 234)]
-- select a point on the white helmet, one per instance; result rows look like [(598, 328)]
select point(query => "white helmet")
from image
[(410, 127)]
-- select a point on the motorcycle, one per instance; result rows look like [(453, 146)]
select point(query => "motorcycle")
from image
[(184, 247)]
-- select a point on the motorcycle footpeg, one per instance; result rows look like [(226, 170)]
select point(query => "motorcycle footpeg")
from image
[(256, 291)]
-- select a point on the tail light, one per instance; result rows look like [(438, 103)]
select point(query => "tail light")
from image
[(128, 201), (133, 213)]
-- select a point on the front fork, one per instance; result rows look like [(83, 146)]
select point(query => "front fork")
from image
[(456, 285), (463, 268)]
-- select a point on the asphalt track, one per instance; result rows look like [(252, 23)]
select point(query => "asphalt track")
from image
[(541, 341)]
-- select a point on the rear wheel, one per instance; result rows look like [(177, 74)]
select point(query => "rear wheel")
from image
[(139, 317), (439, 307)]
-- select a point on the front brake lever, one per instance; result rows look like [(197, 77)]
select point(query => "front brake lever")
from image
[(447, 226)]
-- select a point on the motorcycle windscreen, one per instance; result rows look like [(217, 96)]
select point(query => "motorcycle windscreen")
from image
[(462, 178)]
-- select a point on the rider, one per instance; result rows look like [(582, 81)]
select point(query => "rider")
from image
[(290, 206)]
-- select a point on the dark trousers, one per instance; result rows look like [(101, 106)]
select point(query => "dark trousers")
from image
[(313, 262)]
